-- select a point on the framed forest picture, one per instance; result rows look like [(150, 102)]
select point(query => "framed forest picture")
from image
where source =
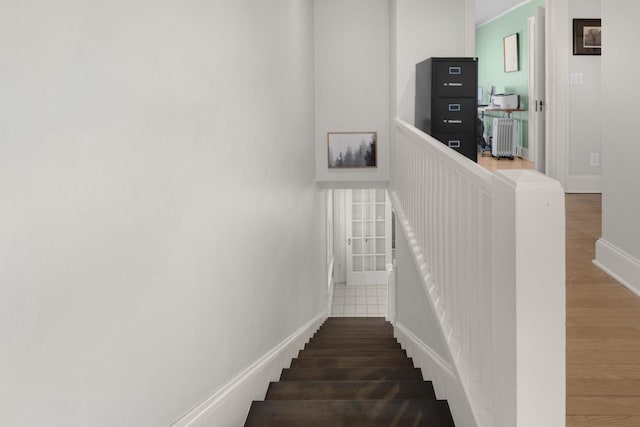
[(352, 149)]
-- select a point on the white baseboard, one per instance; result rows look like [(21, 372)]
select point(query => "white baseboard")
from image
[(416, 347), (229, 405), (618, 264), (522, 152), (584, 184), (437, 369)]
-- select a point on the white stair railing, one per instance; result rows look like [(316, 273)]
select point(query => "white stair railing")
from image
[(490, 250)]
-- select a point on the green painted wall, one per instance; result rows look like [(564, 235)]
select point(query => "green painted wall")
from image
[(489, 50)]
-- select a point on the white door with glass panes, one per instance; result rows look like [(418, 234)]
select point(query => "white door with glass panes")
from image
[(368, 226)]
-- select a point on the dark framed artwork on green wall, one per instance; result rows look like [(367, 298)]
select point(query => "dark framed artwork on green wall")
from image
[(587, 36), (511, 60)]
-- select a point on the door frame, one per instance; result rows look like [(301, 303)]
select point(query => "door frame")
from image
[(537, 78), (368, 277), (557, 29)]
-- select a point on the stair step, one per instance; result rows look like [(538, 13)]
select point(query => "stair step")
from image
[(361, 334), (349, 352), (380, 340), (351, 413), (359, 320), (352, 344), (349, 390), (351, 374), (356, 329), (357, 325), (348, 362)]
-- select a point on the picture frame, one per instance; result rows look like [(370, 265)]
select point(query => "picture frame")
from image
[(347, 150), (511, 57), (587, 37)]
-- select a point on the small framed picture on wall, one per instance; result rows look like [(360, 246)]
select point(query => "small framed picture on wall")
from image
[(352, 149), (587, 36), (511, 60)]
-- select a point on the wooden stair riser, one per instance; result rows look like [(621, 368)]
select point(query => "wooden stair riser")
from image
[(350, 390), (350, 413), (351, 362), (353, 342), (352, 338), (350, 352), (354, 345), (351, 374), (364, 334)]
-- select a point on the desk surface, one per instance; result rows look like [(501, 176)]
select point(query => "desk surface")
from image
[(505, 110)]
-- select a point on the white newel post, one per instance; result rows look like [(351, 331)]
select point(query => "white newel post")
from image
[(528, 243), (391, 293)]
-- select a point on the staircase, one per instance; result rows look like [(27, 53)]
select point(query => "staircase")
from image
[(352, 373)]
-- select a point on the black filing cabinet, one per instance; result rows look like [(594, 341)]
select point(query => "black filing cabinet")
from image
[(446, 102)]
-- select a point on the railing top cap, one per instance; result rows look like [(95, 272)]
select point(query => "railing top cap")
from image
[(479, 175), (525, 177)]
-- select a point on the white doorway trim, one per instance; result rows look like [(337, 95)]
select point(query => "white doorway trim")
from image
[(537, 83), (470, 27), (531, 151), (558, 36)]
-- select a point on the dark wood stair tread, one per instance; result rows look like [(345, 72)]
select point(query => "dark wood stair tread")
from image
[(333, 344), (354, 329), (348, 362), (350, 413), (363, 341), (350, 374), (357, 337), (350, 390), (349, 352), (367, 320), (352, 340)]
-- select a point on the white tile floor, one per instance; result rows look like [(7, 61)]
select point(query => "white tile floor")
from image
[(359, 301)]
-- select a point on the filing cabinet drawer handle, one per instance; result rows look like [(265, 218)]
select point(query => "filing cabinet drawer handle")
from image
[(454, 107), (453, 84), (454, 143), (454, 122), (455, 70)]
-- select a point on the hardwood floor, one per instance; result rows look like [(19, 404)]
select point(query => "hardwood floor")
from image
[(492, 163), (603, 329), (603, 322)]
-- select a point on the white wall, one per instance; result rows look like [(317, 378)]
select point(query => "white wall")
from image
[(619, 249), (424, 28), (352, 80), (160, 226), (584, 109)]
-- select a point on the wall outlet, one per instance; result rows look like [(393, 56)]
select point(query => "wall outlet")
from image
[(576, 79), (595, 159)]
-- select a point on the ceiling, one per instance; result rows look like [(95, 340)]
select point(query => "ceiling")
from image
[(487, 9)]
